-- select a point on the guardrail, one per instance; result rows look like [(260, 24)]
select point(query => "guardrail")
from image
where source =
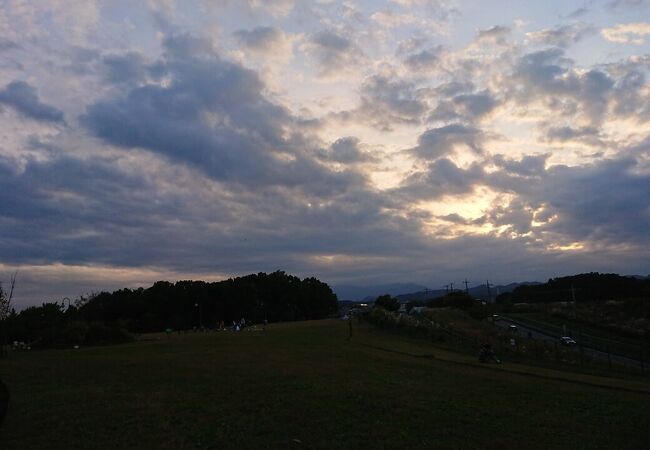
[(586, 341)]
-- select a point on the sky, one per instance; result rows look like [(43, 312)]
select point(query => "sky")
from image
[(360, 142)]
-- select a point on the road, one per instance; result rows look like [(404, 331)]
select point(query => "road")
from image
[(525, 330)]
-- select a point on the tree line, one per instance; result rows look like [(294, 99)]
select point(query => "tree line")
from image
[(111, 316), (584, 287)]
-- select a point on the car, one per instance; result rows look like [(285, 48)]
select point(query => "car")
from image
[(568, 341), (512, 328)]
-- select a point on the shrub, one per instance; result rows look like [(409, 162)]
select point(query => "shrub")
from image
[(101, 334), (387, 302), (75, 332)]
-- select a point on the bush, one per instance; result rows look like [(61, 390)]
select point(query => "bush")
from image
[(457, 299), (387, 302), (75, 333), (101, 334), (478, 312)]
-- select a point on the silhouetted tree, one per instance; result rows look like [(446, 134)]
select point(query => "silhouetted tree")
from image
[(276, 297), (583, 287), (5, 310), (387, 302)]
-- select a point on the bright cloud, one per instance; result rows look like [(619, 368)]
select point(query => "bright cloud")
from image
[(630, 33)]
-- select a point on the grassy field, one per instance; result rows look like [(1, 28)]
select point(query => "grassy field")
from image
[(303, 385)]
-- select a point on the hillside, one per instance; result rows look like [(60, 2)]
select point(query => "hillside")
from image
[(304, 385)]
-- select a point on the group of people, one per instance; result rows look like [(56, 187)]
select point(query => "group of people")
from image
[(238, 326)]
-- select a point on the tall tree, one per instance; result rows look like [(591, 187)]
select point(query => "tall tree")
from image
[(5, 309)]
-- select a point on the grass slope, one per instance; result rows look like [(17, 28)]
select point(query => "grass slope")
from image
[(303, 385)]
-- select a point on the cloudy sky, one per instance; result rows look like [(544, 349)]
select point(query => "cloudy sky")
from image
[(360, 142)]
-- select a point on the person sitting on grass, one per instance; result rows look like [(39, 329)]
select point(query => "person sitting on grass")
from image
[(487, 354)]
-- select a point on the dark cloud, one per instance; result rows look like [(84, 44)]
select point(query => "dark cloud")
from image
[(628, 99), (628, 4), (6, 44), (410, 45), (497, 34), (424, 60), (561, 36), (603, 202), (599, 204), (213, 115), (101, 212), (516, 217), (460, 220), (527, 166), (389, 100), (453, 88), (124, 68), (466, 106), (548, 76), (260, 39), (441, 177), (24, 99), (567, 133), (578, 13), (277, 8), (335, 53), (347, 151), (440, 142)]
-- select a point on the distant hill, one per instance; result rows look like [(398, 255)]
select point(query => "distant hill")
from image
[(481, 292), (639, 277), (407, 292), (370, 292)]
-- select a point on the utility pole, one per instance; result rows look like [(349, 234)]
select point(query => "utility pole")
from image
[(466, 288), (487, 283), (451, 285), (573, 297)]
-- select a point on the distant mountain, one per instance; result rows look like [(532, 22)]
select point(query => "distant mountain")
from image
[(639, 277), (370, 292), (480, 292)]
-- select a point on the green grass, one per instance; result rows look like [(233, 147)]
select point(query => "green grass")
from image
[(303, 385)]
